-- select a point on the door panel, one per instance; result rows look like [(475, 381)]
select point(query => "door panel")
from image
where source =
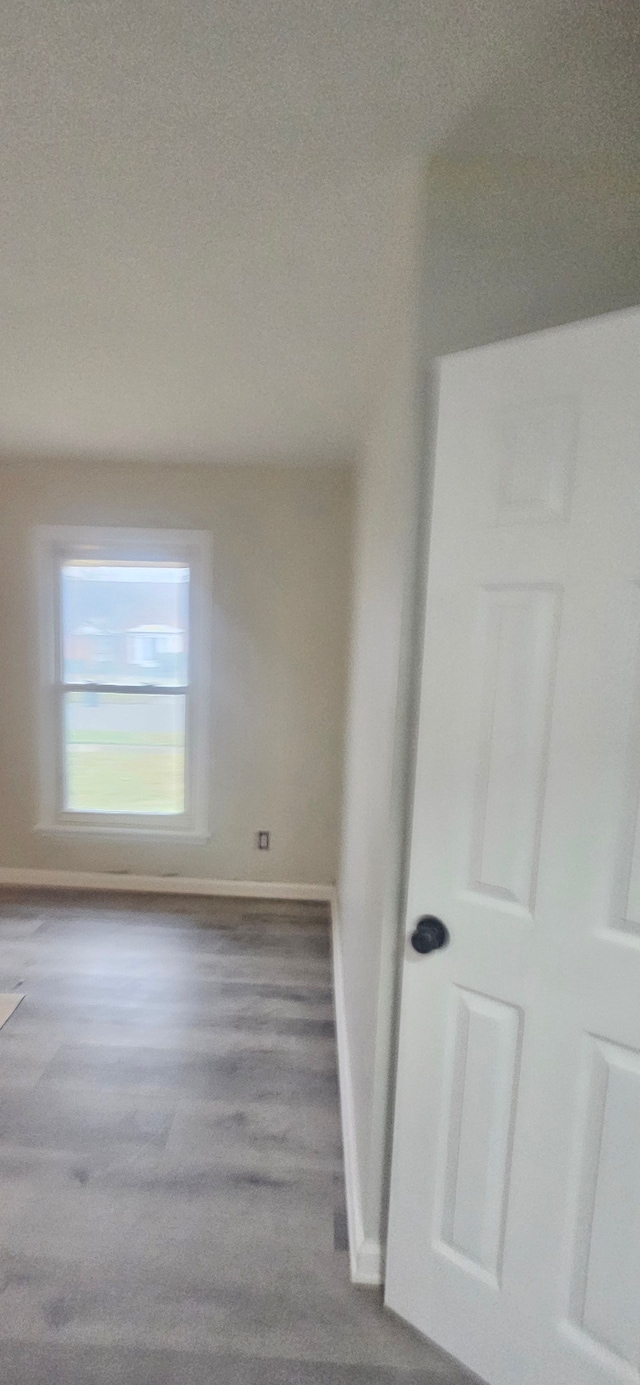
[(480, 1089), (538, 448), (514, 1227), (604, 1302), (626, 911), (519, 626)]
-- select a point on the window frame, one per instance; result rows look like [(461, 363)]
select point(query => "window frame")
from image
[(56, 544)]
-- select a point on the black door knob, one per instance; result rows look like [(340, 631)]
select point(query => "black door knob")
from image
[(429, 934)]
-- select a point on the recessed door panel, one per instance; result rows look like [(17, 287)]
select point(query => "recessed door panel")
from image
[(518, 630), (484, 1043), (605, 1303), (539, 446)]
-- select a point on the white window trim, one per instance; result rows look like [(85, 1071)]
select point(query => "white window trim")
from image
[(57, 543)]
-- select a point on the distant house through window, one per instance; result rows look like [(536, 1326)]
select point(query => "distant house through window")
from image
[(125, 643)]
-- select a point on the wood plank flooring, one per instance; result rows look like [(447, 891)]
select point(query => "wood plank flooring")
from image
[(171, 1189)]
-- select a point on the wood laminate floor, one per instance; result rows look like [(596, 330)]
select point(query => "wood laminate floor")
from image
[(171, 1190)]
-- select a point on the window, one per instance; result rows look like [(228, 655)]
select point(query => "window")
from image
[(124, 664)]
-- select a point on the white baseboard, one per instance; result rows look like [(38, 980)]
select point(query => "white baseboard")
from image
[(365, 1254), (160, 884)]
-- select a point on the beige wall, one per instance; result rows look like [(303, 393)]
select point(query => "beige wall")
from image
[(370, 872), (281, 554), (370, 878), (514, 245)]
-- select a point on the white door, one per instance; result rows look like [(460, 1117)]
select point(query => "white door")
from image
[(514, 1238)]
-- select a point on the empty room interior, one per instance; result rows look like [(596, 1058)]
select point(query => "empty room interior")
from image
[(320, 692)]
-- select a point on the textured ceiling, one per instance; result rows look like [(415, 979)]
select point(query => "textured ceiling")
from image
[(204, 206)]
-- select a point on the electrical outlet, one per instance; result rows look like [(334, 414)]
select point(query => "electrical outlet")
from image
[(262, 841)]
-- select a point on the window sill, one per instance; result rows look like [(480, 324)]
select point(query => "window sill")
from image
[(122, 832)]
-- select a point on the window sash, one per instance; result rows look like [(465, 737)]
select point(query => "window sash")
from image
[(153, 689), (67, 750), (188, 548)]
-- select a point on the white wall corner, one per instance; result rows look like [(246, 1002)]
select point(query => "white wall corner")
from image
[(160, 884), (366, 1258)]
